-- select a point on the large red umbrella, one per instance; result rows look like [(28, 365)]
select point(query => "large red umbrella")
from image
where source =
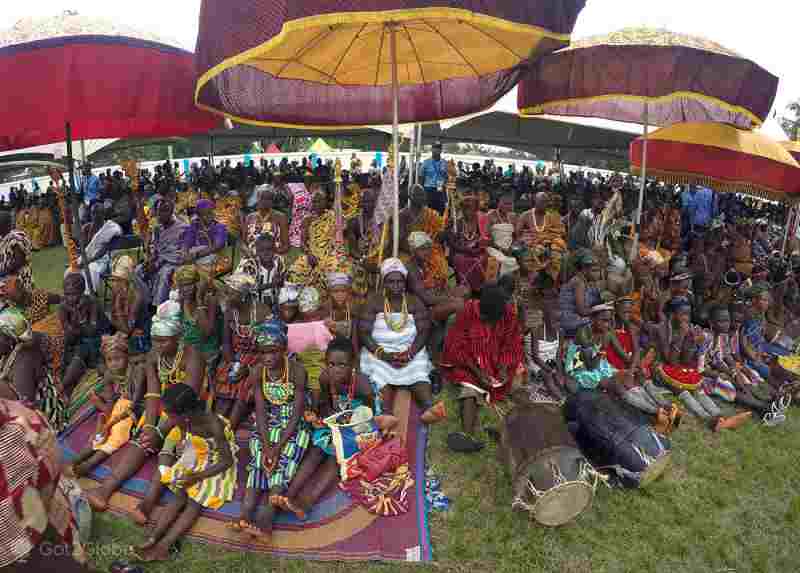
[(720, 156), (648, 76), (106, 79), (792, 147)]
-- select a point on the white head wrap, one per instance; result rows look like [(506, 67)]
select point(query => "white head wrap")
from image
[(167, 320), (309, 300), (393, 265), (419, 239), (503, 235)]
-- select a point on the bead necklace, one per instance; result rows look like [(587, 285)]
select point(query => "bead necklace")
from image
[(387, 314), (170, 371)]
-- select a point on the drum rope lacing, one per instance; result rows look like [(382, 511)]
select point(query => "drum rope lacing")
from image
[(585, 475), (777, 413)]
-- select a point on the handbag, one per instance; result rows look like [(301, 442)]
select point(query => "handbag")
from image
[(385, 457)]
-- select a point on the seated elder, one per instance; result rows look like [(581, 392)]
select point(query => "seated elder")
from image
[(483, 354), (393, 330), (204, 239), (164, 253)]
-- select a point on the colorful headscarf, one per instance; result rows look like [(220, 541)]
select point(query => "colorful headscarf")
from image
[(241, 283), (289, 293), (339, 280), (205, 204), (419, 239), (115, 343), (14, 325), (309, 300), (167, 320), (598, 308), (186, 274), (273, 332), (393, 265), (123, 268)]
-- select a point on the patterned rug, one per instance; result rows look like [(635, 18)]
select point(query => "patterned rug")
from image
[(335, 529)]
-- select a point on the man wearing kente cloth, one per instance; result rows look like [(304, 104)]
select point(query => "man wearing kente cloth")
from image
[(418, 217), (321, 253), (367, 242), (545, 236)]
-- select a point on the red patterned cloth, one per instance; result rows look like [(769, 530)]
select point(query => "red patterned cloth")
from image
[(626, 341), (488, 346), (30, 499)]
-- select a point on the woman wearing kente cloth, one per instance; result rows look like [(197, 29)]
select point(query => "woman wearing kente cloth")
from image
[(393, 329), (120, 405), (321, 254), (544, 234), (203, 477), (25, 374), (343, 388), (282, 435), (467, 237), (15, 253), (483, 355), (679, 347), (169, 362), (725, 376), (338, 312), (130, 313), (419, 218), (266, 220), (204, 240), (164, 253), (243, 313)]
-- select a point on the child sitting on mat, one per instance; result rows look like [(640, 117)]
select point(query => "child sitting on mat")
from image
[(123, 389), (204, 476)]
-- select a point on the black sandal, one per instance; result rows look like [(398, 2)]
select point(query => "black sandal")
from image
[(463, 444), (123, 567)]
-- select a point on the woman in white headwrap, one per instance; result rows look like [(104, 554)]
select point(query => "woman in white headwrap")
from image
[(25, 373), (394, 328)]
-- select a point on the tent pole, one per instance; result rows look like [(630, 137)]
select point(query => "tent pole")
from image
[(790, 218), (75, 223), (395, 140), (637, 226), (412, 159)]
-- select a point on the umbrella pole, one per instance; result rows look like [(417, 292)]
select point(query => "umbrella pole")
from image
[(76, 228), (395, 141), (790, 218), (635, 247)]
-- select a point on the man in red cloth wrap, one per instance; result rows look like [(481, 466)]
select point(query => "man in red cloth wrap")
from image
[(483, 354)]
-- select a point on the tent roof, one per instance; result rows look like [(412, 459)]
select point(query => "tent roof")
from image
[(579, 139), (319, 146)]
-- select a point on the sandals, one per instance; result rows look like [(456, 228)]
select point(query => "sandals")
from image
[(464, 444), (124, 567)]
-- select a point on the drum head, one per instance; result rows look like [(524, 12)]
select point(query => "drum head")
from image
[(655, 469), (563, 504)]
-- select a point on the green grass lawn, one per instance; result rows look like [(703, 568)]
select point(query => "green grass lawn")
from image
[(730, 503)]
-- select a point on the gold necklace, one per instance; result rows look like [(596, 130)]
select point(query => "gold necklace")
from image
[(387, 315), (536, 226), (168, 370)]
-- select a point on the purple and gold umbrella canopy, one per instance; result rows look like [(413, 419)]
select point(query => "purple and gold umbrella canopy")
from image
[(330, 63), (678, 78)]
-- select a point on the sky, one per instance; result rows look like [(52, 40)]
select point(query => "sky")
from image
[(764, 32)]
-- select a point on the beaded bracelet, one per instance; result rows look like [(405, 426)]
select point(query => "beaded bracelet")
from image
[(152, 395), (155, 428)]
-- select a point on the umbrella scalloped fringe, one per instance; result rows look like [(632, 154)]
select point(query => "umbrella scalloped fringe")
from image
[(547, 108), (721, 185)]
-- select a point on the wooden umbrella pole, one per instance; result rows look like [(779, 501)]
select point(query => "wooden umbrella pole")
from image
[(395, 139), (76, 210), (638, 223)]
